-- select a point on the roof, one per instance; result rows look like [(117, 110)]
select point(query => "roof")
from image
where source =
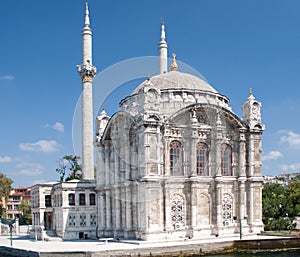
[(177, 80)]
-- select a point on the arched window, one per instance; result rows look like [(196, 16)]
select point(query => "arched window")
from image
[(176, 159), (81, 199), (202, 159), (71, 199), (226, 162), (92, 199)]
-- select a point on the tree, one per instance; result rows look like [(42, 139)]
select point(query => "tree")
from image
[(69, 168), (5, 188), (25, 218), (281, 205)]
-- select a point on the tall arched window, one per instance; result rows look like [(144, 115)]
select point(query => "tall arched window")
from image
[(226, 162), (176, 159), (202, 159)]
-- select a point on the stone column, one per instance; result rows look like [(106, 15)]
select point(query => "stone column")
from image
[(167, 157), (219, 193), (128, 208), (118, 208), (218, 155), (108, 210), (101, 171), (168, 210), (134, 207), (242, 155), (194, 206), (242, 198), (250, 201), (133, 158), (251, 153), (193, 152), (123, 208), (117, 164), (102, 211), (107, 165)]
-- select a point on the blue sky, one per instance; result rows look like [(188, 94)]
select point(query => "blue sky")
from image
[(234, 44)]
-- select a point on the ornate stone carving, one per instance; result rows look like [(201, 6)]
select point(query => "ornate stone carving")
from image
[(177, 211), (227, 206), (87, 72)]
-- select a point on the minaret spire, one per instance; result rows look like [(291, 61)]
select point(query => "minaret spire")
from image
[(87, 17), (163, 50), (87, 72)]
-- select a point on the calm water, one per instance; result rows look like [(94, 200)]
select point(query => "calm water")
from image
[(263, 254), (259, 254)]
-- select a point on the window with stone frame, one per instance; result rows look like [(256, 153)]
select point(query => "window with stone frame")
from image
[(227, 207), (72, 220), (176, 158), (93, 221), (71, 199), (92, 199), (82, 220), (202, 159), (81, 199), (226, 160), (48, 200)]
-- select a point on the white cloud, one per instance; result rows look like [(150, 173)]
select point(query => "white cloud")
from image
[(58, 127), (30, 169), (291, 138), (38, 181), (273, 155), (45, 146), (7, 77), (291, 167), (5, 159)]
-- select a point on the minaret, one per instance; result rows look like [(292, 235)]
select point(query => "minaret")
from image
[(163, 51), (87, 72)]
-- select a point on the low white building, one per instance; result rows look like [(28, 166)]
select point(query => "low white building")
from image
[(66, 209)]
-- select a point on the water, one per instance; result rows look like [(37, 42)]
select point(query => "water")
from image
[(295, 253)]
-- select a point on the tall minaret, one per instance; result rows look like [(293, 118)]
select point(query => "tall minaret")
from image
[(87, 72), (163, 51)]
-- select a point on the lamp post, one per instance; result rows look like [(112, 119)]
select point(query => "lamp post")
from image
[(10, 225), (240, 224)]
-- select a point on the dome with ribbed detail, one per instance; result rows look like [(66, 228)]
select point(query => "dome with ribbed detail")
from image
[(177, 80)]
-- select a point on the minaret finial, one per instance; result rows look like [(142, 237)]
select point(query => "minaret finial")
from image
[(251, 94), (163, 50), (163, 33), (87, 17), (174, 66)]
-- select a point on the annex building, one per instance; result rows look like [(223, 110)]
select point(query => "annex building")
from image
[(174, 162)]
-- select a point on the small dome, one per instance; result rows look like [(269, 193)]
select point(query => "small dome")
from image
[(177, 80)]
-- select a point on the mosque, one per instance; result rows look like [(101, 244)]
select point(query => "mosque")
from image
[(174, 162)]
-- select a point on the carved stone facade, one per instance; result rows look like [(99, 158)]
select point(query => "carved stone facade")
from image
[(183, 165), (174, 162)]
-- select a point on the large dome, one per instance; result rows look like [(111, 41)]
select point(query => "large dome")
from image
[(177, 80)]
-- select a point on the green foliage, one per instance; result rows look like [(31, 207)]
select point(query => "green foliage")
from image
[(69, 168), (281, 205), (25, 218), (5, 188)]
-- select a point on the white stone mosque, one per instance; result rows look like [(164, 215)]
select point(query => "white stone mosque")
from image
[(174, 162)]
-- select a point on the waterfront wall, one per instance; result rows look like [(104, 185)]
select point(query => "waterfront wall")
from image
[(190, 248)]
